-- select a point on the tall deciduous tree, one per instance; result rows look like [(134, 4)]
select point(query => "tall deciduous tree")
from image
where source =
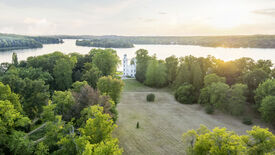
[(106, 60), (172, 68), (156, 75), (110, 86), (63, 74), (142, 58)]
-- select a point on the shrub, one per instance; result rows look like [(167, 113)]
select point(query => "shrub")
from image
[(267, 109), (150, 97), (185, 94), (137, 125), (247, 121), (209, 109)]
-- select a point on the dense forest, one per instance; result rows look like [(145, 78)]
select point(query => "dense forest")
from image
[(230, 86), (11, 42), (238, 41), (60, 104), (105, 43)]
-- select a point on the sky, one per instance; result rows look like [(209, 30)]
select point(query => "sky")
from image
[(138, 17)]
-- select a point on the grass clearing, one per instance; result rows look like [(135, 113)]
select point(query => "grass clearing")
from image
[(162, 123)]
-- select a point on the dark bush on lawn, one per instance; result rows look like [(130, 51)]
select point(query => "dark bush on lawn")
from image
[(150, 97), (247, 121), (185, 94)]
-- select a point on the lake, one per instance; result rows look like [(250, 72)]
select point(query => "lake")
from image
[(162, 51)]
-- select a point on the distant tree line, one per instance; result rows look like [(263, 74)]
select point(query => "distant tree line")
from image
[(215, 84), (237, 41), (105, 43), (10, 42), (60, 104)]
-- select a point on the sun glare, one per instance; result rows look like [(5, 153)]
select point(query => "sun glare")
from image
[(228, 15)]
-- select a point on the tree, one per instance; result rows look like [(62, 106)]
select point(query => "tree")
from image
[(87, 96), (156, 75), (260, 141), (64, 102), (77, 86), (142, 58), (14, 59), (11, 120), (267, 109), (222, 141), (36, 95), (92, 76), (6, 94), (63, 74), (98, 126), (218, 141), (105, 60), (185, 94), (266, 88), (253, 79), (110, 86), (216, 95), (237, 100), (212, 78), (197, 77), (172, 67), (265, 65)]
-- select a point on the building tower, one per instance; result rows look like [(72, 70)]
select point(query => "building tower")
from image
[(125, 64)]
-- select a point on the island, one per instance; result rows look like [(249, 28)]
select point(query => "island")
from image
[(13, 41), (105, 43)]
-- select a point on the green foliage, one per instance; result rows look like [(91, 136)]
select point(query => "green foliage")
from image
[(171, 68), (63, 74), (10, 117), (98, 126), (137, 125), (218, 141), (89, 97), (260, 141), (267, 109), (106, 43), (106, 60), (142, 58), (48, 112), (41, 149), (6, 94), (237, 99), (190, 72), (212, 78), (64, 102), (77, 86), (209, 109), (156, 75), (266, 88), (92, 76), (110, 86), (222, 141), (36, 96), (185, 94), (253, 79), (14, 59), (150, 97), (247, 120)]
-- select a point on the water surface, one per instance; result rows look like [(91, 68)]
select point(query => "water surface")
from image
[(162, 51)]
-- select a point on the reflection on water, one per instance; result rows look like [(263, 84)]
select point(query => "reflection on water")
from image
[(162, 51)]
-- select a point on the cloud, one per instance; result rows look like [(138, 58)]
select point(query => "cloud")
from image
[(163, 13), (39, 26), (269, 12)]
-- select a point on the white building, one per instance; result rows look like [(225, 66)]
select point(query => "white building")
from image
[(129, 69)]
